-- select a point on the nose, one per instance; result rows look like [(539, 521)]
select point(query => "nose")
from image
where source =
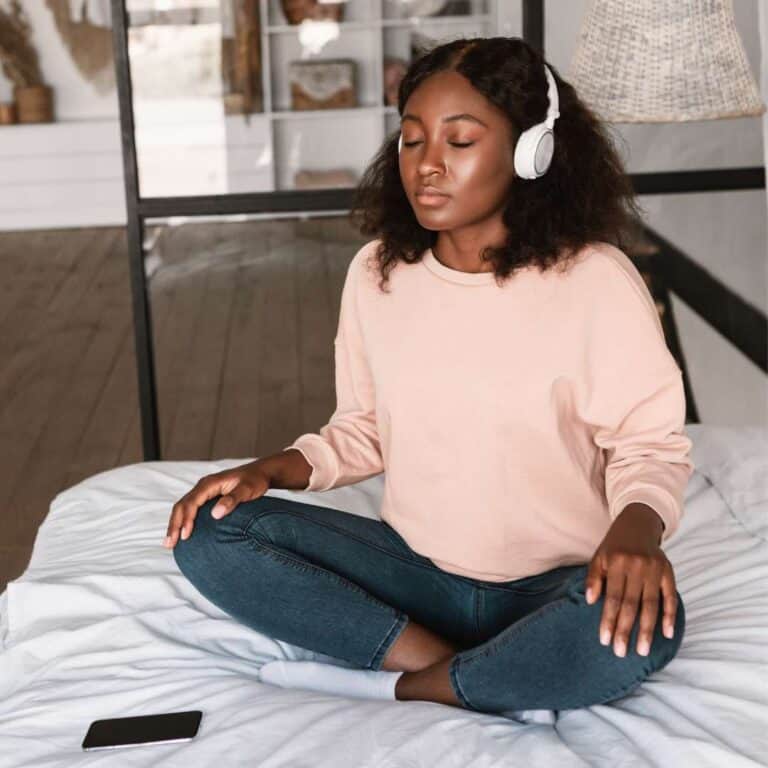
[(431, 161)]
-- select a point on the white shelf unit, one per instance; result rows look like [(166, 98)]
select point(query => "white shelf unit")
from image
[(371, 30), (69, 173), (201, 150)]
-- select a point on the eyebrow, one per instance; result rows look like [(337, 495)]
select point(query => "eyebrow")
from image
[(452, 118)]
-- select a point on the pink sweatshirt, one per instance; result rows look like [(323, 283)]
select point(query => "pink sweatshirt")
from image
[(514, 423)]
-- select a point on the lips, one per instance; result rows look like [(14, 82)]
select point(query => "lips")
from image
[(430, 191), (431, 200)]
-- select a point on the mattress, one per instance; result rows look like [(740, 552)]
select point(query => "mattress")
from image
[(102, 624)]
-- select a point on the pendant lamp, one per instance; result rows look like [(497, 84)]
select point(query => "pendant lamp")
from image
[(654, 61)]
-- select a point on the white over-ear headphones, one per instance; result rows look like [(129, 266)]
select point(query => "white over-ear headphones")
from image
[(536, 145)]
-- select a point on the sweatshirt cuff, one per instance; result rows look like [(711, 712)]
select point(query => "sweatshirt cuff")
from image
[(658, 499), (321, 459)]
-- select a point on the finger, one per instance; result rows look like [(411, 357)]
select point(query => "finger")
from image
[(648, 614), (228, 502), (614, 591), (214, 485), (593, 581), (633, 590), (174, 523), (179, 517), (182, 508), (669, 590), (187, 505)]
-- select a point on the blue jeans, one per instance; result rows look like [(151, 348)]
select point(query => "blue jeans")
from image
[(346, 586)]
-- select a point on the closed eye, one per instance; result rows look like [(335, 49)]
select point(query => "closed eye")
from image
[(452, 143)]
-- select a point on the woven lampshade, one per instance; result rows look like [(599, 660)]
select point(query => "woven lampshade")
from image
[(653, 61)]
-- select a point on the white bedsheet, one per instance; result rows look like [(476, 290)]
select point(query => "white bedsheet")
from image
[(103, 624)]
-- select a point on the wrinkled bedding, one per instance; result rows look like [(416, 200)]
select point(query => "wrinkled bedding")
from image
[(103, 624)]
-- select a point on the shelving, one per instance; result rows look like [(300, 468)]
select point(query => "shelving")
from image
[(266, 150), (376, 23)]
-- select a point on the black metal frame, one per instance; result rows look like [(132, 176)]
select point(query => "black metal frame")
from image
[(673, 271)]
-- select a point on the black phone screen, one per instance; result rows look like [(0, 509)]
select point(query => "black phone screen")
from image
[(142, 729)]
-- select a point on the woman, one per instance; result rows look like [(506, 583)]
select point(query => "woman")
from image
[(511, 377)]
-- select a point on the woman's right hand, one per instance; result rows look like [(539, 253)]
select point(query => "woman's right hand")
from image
[(249, 481)]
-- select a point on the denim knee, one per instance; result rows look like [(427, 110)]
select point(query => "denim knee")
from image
[(663, 649), (198, 544), (203, 545)]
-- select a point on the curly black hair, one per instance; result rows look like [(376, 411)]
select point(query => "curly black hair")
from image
[(584, 197)]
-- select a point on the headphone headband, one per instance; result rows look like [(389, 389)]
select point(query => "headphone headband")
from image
[(554, 99)]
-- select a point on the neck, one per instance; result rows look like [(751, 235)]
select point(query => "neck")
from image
[(462, 262)]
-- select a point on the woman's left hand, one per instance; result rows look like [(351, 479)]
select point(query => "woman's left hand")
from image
[(636, 568)]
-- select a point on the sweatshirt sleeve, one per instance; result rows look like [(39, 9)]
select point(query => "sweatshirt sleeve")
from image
[(347, 449), (631, 394)]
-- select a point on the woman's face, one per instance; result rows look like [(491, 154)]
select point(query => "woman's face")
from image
[(475, 179)]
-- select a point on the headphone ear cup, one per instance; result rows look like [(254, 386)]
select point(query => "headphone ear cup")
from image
[(533, 152), (545, 148)]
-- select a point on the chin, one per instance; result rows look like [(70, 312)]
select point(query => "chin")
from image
[(435, 226)]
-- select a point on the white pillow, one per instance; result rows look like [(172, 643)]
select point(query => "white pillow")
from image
[(735, 461)]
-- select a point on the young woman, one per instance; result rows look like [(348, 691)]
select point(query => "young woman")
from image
[(500, 359)]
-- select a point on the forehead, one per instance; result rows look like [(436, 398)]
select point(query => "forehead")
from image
[(447, 94)]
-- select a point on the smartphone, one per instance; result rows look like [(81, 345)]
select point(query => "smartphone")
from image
[(118, 732)]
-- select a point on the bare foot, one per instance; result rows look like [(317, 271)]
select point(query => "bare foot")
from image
[(417, 648), (430, 684)]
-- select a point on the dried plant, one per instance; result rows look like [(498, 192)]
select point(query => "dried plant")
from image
[(17, 54), (90, 46)]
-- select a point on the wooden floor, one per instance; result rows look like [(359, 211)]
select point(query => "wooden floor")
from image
[(244, 316)]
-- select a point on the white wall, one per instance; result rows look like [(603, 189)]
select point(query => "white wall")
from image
[(76, 98), (764, 76), (67, 173)]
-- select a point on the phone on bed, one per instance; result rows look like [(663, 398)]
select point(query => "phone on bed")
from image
[(136, 731)]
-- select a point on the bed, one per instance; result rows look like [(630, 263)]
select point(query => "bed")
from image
[(103, 624)]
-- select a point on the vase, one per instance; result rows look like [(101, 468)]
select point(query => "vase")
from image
[(7, 113), (296, 11), (34, 103)]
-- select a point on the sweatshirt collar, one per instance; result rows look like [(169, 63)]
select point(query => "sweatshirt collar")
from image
[(456, 275)]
